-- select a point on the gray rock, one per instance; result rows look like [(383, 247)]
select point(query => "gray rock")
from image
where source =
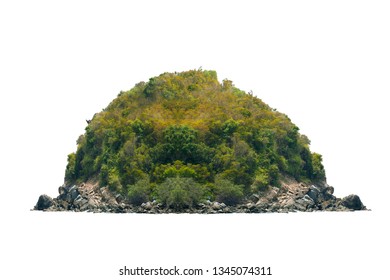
[(201, 205), (81, 203), (92, 203), (352, 202), (329, 190), (289, 203), (72, 194), (84, 207), (308, 200), (274, 207), (44, 202), (299, 207), (304, 203), (262, 207), (147, 206), (272, 194), (250, 206), (313, 194), (62, 190), (216, 206), (254, 198), (119, 198)]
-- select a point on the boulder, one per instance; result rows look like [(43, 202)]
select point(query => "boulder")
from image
[(72, 193), (314, 193), (62, 190), (216, 206), (304, 203), (44, 202), (330, 190), (254, 198), (251, 206), (352, 202), (147, 206), (81, 203), (262, 205), (272, 194)]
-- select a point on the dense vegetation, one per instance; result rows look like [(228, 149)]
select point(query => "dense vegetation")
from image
[(184, 137)]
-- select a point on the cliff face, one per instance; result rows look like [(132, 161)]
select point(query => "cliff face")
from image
[(186, 142)]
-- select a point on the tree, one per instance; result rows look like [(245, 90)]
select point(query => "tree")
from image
[(139, 192), (179, 193), (228, 193)]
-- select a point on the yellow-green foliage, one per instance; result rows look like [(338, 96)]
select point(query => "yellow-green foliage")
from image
[(188, 125)]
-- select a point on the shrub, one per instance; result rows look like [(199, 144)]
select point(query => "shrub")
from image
[(179, 193), (179, 169), (110, 177), (70, 168), (139, 192), (261, 181), (318, 168), (229, 193)]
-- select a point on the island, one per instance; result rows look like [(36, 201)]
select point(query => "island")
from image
[(188, 143)]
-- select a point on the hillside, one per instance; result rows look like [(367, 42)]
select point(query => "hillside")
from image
[(181, 139)]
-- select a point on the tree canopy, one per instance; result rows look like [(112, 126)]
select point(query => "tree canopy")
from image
[(189, 129)]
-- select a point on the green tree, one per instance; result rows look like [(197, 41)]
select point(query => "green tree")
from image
[(139, 192), (228, 193), (179, 193), (318, 168)]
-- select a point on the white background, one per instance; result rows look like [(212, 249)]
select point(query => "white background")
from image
[(323, 63)]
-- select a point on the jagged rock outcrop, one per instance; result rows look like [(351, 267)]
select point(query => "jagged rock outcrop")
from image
[(291, 196), (44, 202), (352, 202)]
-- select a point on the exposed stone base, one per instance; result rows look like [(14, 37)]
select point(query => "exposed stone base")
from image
[(292, 196)]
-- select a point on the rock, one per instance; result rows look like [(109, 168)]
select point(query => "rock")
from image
[(304, 203), (92, 203), (290, 197), (251, 206), (272, 194), (208, 202), (119, 198), (216, 206), (84, 207), (299, 207), (352, 202), (44, 202), (289, 203), (274, 207), (72, 194), (308, 200), (201, 205), (63, 204), (330, 190), (254, 198), (81, 203), (62, 190), (314, 193), (147, 206), (262, 205)]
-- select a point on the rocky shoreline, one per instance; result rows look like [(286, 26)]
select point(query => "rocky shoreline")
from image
[(291, 196)]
